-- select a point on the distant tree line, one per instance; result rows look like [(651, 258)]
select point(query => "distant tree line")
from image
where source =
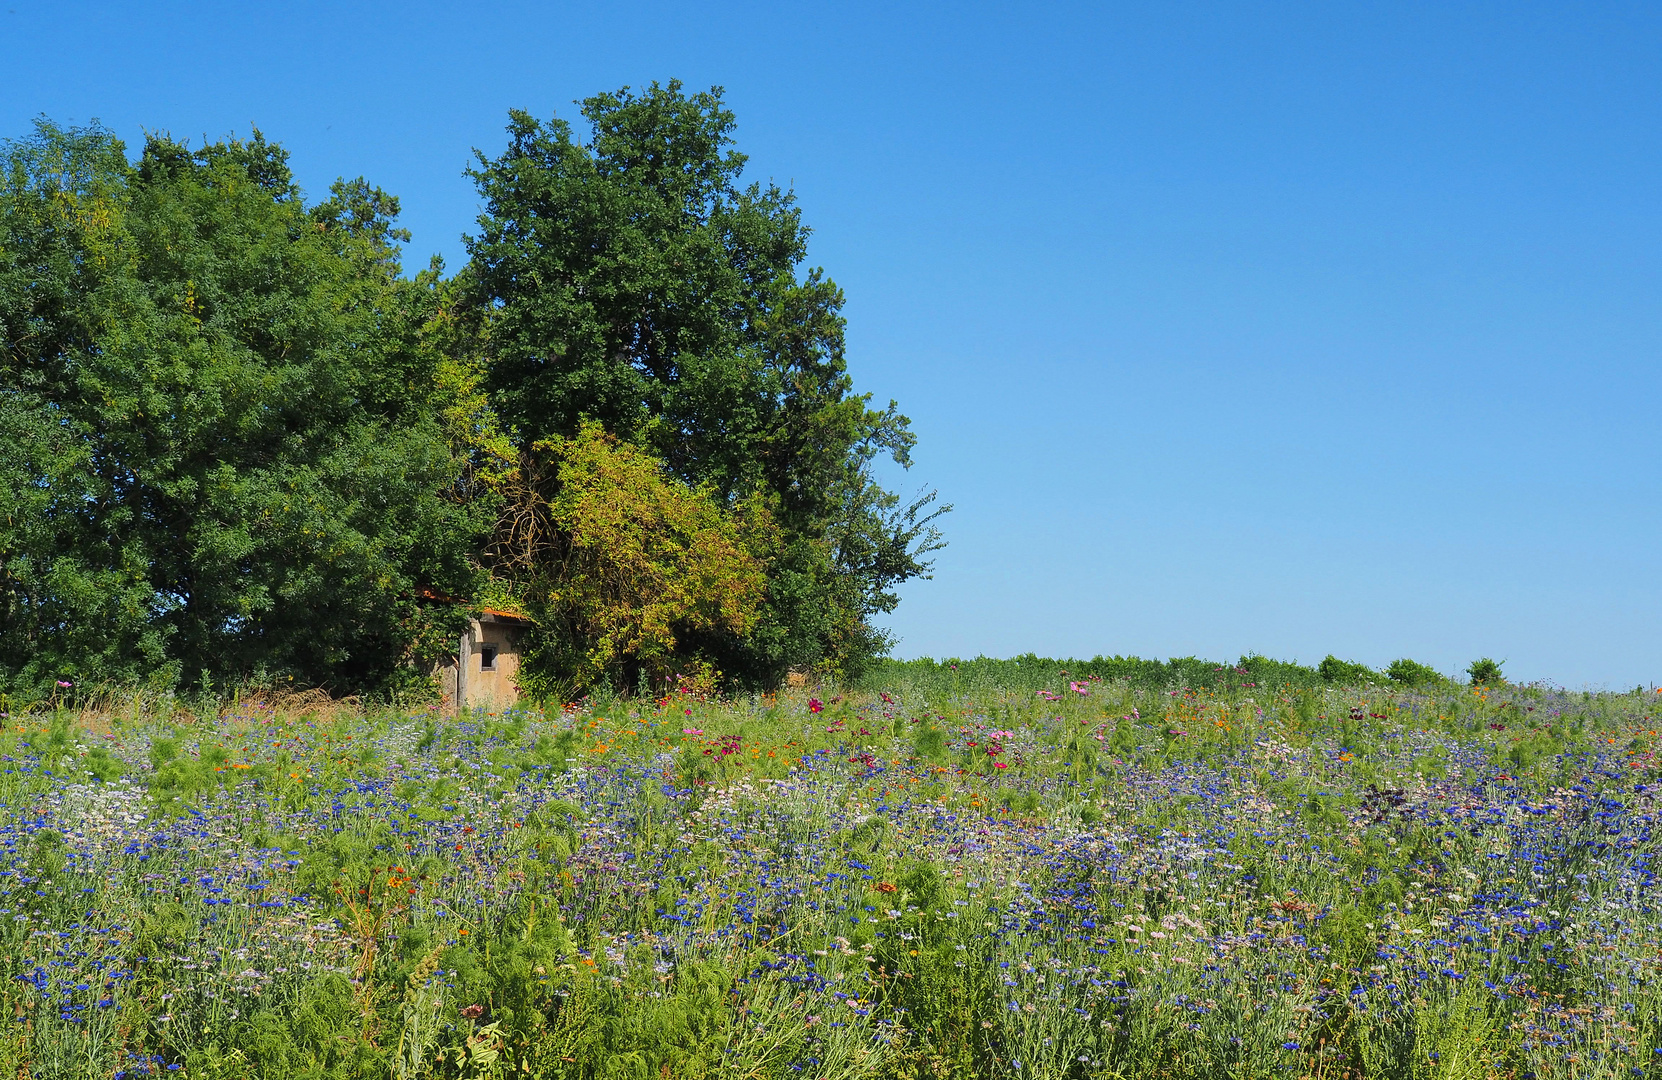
[(1032, 672), (238, 443)]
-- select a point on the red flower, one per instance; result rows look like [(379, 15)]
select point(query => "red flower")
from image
[(815, 705)]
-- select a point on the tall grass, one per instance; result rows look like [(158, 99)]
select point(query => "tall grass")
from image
[(947, 874)]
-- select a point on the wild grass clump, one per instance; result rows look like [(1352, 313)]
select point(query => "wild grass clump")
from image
[(1084, 879)]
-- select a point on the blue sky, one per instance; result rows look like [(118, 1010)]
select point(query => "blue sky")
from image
[(1288, 328)]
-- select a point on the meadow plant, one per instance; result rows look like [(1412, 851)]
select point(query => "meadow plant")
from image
[(1090, 878)]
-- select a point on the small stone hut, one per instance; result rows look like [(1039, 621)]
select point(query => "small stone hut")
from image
[(483, 673)]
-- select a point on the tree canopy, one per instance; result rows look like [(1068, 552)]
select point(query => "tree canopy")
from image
[(224, 453), (621, 562), (238, 442), (632, 281)]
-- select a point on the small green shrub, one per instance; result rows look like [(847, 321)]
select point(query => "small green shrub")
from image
[(1406, 672), (1486, 672), (1346, 672)]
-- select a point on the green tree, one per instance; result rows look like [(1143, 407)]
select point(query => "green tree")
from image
[(71, 587), (622, 565), (631, 280), (227, 452)]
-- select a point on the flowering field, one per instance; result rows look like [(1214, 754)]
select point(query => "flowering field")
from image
[(1087, 881)]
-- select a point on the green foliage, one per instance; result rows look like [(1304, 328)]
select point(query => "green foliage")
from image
[(1411, 673), (1345, 672), (929, 742), (625, 570), (222, 450), (1031, 672), (1485, 672), (238, 445), (1239, 882), (632, 281), (102, 766)]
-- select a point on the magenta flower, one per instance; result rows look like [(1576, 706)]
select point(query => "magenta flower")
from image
[(815, 705)]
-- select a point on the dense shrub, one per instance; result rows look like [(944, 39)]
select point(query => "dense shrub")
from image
[(1411, 673), (1345, 672), (1485, 672)]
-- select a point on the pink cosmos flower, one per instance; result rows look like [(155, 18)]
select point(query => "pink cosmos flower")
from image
[(1079, 688), (692, 731), (815, 705)]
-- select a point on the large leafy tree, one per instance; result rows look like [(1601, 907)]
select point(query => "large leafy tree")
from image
[(631, 280), (230, 447)]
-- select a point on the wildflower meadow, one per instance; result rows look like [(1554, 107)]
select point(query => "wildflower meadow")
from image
[(929, 876)]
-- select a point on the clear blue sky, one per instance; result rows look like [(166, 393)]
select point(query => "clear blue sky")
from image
[(1289, 328)]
